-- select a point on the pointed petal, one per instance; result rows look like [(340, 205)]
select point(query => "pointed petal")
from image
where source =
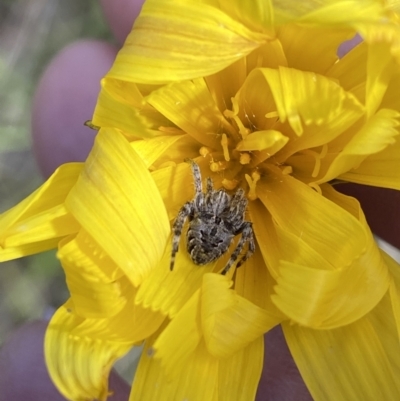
[(196, 382), (79, 365), (239, 375), (190, 106), (265, 232), (168, 291), (121, 105), (380, 170), (118, 204), (344, 294), (296, 40), (380, 69), (347, 363), (229, 321), (176, 344), (312, 99), (270, 140), (152, 149), (167, 44), (94, 292), (317, 221), (39, 222), (256, 15), (376, 135), (328, 12)]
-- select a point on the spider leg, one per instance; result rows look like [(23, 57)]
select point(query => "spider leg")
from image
[(196, 175), (210, 186), (247, 236), (185, 211)]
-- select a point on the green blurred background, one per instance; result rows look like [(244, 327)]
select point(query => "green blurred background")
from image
[(31, 33)]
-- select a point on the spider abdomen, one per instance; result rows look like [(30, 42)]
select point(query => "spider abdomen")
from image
[(207, 241)]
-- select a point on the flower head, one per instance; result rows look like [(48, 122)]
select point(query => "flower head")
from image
[(256, 96)]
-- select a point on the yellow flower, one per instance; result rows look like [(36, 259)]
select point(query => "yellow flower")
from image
[(255, 94)]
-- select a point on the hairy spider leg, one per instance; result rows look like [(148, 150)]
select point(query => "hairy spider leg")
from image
[(196, 175), (247, 236), (185, 211), (210, 185)]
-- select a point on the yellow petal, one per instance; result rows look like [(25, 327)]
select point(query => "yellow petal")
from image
[(270, 140), (229, 321), (257, 15), (176, 344), (380, 170), (296, 42), (394, 289), (317, 221), (302, 96), (348, 363), (267, 239), (94, 292), (118, 204), (377, 134), (328, 12), (380, 69), (239, 375), (39, 222), (120, 105), (152, 149), (168, 291), (181, 40), (79, 365), (197, 380), (190, 106)]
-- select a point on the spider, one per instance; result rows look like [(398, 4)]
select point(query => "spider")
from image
[(215, 218)]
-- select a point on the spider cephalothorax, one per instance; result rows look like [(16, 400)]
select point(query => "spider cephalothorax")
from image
[(215, 218)]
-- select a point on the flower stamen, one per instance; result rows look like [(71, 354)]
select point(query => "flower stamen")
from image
[(224, 144), (233, 115), (252, 182)]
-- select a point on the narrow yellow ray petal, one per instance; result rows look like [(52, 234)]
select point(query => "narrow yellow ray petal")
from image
[(118, 204), (52, 193), (168, 44), (270, 140), (180, 338), (79, 365), (265, 232), (328, 12), (385, 320), (93, 293), (152, 149), (302, 211), (394, 289), (27, 249), (120, 105), (380, 69), (350, 70), (296, 39), (190, 106), (382, 34), (167, 291), (56, 222), (380, 170), (254, 283), (38, 222), (348, 363), (239, 375), (303, 97), (257, 15), (377, 134), (229, 321), (197, 380)]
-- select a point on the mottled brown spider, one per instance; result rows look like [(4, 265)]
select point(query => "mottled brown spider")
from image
[(215, 218)]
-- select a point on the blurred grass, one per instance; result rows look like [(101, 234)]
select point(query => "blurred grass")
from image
[(31, 33)]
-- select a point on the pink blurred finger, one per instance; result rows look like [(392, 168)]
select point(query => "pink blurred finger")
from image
[(65, 98)]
